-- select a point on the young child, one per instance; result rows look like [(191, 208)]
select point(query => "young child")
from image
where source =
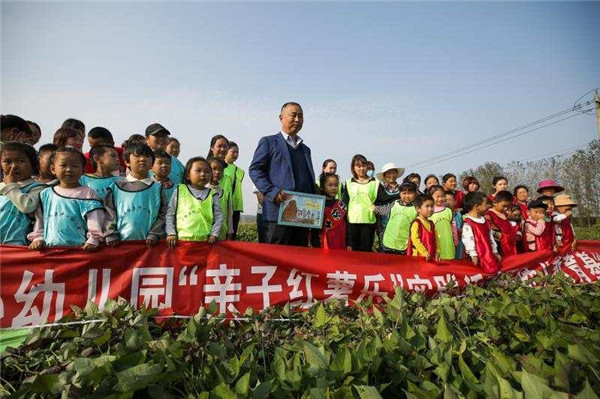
[(431, 180), (333, 233), (549, 188), (534, 227), (445, 227), (450, 202), (515, 216), (552, 235), (564, 206), (136, 205), (414, 178), (157, 139), (194, 210), (45, 174), (500, 183), (69, 214), (401, 213), (330, 166), (173, 147), (422, 240), (105, 160), (360, 193), (161, 169), (102, 136), (235, 176), (449, 183), (503, 231), (521, 198), (223, 188), (477, 234), (19, 192)]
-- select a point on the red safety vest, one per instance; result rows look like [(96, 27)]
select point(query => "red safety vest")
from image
[(426, 237), (568, 236), (333, 233), (483, 246), (508, 244), (547, 239), (524, 209)]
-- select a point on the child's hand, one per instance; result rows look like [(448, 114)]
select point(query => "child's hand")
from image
[(113, 243), (574, 245), (427, 258), (498, 257), (151, 242), (9, 177), (372, 207), (348, 248), (475, 260), (37, 245), (212, 239), (172, 241), (568, 213), (89, 247), (437, 257)]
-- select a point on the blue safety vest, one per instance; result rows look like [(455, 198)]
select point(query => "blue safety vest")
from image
[(14, 224), (99, 184), (136, 210)]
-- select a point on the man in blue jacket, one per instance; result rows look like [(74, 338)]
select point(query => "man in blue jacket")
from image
[(283, 162)]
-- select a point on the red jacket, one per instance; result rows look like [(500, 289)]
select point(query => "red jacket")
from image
[(483, 246)]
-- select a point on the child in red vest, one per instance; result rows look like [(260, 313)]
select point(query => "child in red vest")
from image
[(333, 233), (503, 231), (535, 226), (477, 234), (549, 238), (564, 205), (515, 215), (422, 230)]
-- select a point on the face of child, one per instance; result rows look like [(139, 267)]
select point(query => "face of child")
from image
[(173, 148), (548, 192), (564, 208), (488, 204), (200, 174), (514, 215), (522, 194), (140, 164), (331, 187), (161, 168), (501, 206), (501, 185), (44, 160), (68, 168), (220, 148), (450, 184), (426, 209), (473, 187), (331, 167), (391, 176), (217, 172), (416, 180), (482, 208), (109, 160), (157, 141), (438, 198), (450, 201), (360, 168), (550, 206), (432, 181), (537, 213), (232, 154), (16, 166), (75, 142), (407, 197)]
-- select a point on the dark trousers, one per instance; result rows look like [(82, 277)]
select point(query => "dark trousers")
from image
[(286, 235), (261, 229), (236, 222), (361, 236)]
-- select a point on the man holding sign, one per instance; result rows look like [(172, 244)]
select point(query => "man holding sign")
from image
[(282, 162)]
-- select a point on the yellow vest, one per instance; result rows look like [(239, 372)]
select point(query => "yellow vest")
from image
[(194, 217), (361, 197)]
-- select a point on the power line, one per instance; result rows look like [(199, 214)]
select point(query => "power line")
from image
[(553, 153)]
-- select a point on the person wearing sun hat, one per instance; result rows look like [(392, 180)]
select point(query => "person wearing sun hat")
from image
[(549, 187), (387, 192), (564, 210)]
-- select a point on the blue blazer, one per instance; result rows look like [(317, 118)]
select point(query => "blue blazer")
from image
[(271, 171)]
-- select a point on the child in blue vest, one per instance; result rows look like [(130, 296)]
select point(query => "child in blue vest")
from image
[(161, 171), (18, 192), (69, 214), (105, 161), (136, 205), (194, 212)]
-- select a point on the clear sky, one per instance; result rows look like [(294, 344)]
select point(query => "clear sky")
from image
[(397, 82)]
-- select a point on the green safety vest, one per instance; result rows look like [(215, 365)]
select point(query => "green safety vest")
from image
[(236, 175), (194, 217), (361, 197), (397, 231), (225, 200), (443, 233)]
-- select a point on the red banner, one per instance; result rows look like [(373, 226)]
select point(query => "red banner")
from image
[(39, 287)]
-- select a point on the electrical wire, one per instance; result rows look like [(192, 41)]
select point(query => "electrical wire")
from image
[(554, 153)]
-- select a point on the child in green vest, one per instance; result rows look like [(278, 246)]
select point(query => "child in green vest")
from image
[(220, 184), (161, 170), (194, 212), (236, 176), (401, 213), (446, 233), (105, 161)]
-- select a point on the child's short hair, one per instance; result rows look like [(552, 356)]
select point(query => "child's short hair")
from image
[(370, 165), (467, 181), (411, 176), (69, 150), (138, 149), (162, 154), (323, 179), (421, 199), (101, 133), (26, 149), (434, 188), (537, 204), (75, 124), (233, 144), (447, 176), (514, 208), (517, 188), (188, 167), (496, 179), (450, 192), (408, 187), (358, 158), (99, 150), (472, 199), (134, 138), (431, 176), (545, 198), (50, 147), (503, 196), (63, 134)]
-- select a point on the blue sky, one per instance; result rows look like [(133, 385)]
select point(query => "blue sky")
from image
[(397, 82)]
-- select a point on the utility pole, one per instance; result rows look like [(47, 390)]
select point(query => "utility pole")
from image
[(597, 99)]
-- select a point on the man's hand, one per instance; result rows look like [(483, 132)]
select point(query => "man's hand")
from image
[(172, 241), (212, 239), (151, 242), (37, 245), (280, 197), (475, 260), (87, 247)]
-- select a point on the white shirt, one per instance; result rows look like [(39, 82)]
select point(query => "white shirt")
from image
[(468, 238), (288, 139), (147, 181)]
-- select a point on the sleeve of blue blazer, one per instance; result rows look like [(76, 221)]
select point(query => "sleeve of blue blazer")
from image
[(259, 170)]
